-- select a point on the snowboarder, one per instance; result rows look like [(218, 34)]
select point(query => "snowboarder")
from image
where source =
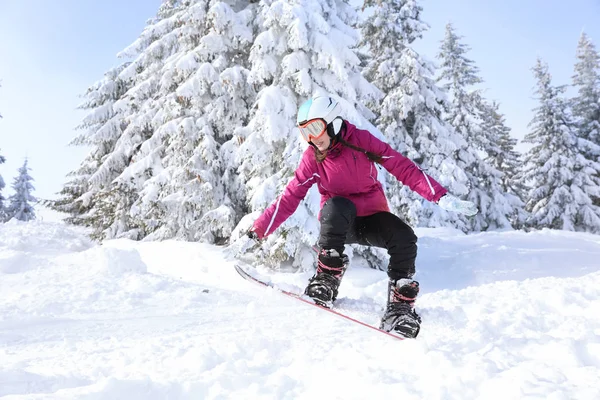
[(340, 160)]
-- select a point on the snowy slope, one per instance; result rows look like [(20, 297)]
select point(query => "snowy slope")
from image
[(506, 315)]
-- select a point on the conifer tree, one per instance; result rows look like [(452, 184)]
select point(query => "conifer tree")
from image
[(2, 184), (205, 96), (2, 198), (20, 206), (586, 105), (155, 170), (410, 114), (560, 177), (502, 156), (89, 185), (302, 49), (465, 113)]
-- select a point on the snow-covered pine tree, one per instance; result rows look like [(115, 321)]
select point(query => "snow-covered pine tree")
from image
[(586, 105), (410, 115), (501, 155), (303, 48), (201, 95), (389, 28), (2, 184), (460, 76), (556, 170), (2, 198), (20, 206), (185, 93), (87, 188), (190, 78)]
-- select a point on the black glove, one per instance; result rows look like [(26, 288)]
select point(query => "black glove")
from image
[(253, 235)]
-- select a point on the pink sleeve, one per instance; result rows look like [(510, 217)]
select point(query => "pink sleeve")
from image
[(402, 168), (286, 203)]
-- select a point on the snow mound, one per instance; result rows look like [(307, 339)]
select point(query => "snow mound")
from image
[(25, 246), (27, 383), (117, 262), (43, 237), (13, 262)]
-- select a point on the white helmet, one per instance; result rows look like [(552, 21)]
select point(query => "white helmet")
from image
[(323, 107)]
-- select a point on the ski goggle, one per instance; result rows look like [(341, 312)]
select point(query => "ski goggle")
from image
[(313, 129)]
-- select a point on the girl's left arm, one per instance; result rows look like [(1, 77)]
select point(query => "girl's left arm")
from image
[(402, 168)]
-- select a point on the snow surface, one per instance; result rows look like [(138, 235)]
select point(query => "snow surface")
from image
[(509, 315)]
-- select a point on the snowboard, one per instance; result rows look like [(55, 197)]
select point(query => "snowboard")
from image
[(306, 300)]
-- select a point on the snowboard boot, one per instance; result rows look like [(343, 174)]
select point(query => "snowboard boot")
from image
[(400, 316), (323, 286)]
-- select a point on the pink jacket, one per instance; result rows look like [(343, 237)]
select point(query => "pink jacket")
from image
[(348, 173)]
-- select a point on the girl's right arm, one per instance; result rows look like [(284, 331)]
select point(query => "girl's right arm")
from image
[(285, 205)]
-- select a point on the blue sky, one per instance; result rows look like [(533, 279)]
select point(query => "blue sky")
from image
[(50, 52), (507, 36)]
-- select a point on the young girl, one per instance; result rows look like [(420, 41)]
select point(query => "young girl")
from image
[(341, 161)]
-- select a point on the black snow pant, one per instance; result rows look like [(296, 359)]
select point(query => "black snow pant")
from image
[(340, 225)]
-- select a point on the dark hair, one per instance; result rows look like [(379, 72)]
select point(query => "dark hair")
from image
[(320, 156)]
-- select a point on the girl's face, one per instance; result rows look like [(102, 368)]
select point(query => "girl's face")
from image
[(322, 142)]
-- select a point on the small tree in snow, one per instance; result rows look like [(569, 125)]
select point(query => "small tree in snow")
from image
[(20, 206)]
